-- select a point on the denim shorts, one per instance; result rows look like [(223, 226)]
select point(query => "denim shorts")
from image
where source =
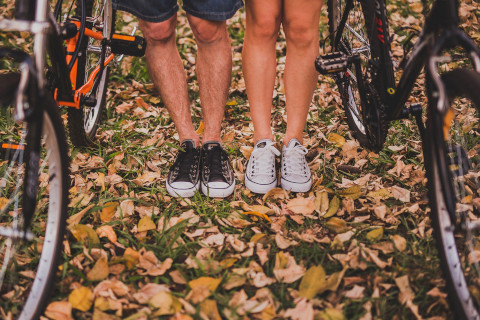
[(161, 10)]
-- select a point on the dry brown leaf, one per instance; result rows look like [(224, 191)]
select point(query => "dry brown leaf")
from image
[(400, 242), (286, 269), (59, 310), (210, 310), (108, 211), (165, 303), (148, 291), (77, 217), (99, 271), (107, 231), (131, 258), (149, 262), (301, 206), (401, 194)]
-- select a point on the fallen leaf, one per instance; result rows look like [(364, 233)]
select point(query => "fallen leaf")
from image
[(399, 242), (258, 214), (312, 282), (107, 231), (353, 192), (59, 310), (84, 234), (99, 271), (336, 225), (401, 194), (81, 299), (146, 224), (333, 207), (210, 310), (108, 211), (165, 303), (286, 269), (337, 139), (375, 234), (301, 206)]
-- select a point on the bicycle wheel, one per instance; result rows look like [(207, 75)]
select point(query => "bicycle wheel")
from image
[(34, 197), (453, 168), (83, 123), (365, 33)]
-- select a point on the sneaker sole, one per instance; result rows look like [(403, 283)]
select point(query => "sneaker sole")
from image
[(259, 188), (184, 193), (296, 187), (217, 192)]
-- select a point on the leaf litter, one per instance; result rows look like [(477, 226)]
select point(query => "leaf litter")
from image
[(358, 246)]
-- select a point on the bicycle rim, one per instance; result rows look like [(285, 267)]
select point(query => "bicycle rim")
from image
[(28, 266), (84, 123), (353, 40), (454, 186)]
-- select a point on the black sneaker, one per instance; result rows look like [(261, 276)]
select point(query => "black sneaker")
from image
[(184, 176), (218, 180)]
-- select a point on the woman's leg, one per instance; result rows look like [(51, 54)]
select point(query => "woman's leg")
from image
[(300, 23), (259, 61)]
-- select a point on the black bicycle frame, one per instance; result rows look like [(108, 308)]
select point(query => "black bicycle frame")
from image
[(440, 32)]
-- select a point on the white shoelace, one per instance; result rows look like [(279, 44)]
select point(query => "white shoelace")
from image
[(294, 162), (264, 159)]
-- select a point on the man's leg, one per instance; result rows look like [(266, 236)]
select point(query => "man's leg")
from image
[(300, 23), (168, 74), (214, 72), (259, 61)]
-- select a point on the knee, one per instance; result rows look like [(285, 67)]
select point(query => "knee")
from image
[(263, 29), (301, 35), (206, 32), (159, 31)]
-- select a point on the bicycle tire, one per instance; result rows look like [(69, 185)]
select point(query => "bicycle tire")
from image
[(83, 122), (451, 162), (361, 35), (28, 268)]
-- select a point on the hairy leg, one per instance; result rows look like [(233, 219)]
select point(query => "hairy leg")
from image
[(259, 61), (300, 23), (214, 72), (167, 72)]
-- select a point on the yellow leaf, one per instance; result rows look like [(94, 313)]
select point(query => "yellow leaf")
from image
[(75, 219), (101, 180), (312, 282), (301, 206), (333, 208), (380, 193), (232, 102), (154, 99), (131, 258), (99, 271), (262, 209), (209, 282), (334, 280), (145, 224), (257, 237), (108, 211), (276, 193), (375, 234), (353, 192), (107, 231), (3, 202), (400, 242), (336, 225), (337, 139), (81, 299), (330, 314), (321, 202), (84, 234), (227, 263), (166, 303), (258, 214), (201, 128), (210, 309)]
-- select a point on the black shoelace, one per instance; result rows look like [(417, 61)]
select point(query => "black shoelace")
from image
[(185, 162), (214, 160)]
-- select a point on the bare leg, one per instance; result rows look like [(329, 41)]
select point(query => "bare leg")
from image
[(214, 72), (259, 61), (300, 23), (166, 69)]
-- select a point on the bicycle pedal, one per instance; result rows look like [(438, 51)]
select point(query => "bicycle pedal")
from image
[(128, 45), (331, 63)]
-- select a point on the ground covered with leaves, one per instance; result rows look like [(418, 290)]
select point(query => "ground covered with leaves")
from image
[(359, 245)]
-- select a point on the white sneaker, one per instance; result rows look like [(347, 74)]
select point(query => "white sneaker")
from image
[(296, 175), (261, 176)]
